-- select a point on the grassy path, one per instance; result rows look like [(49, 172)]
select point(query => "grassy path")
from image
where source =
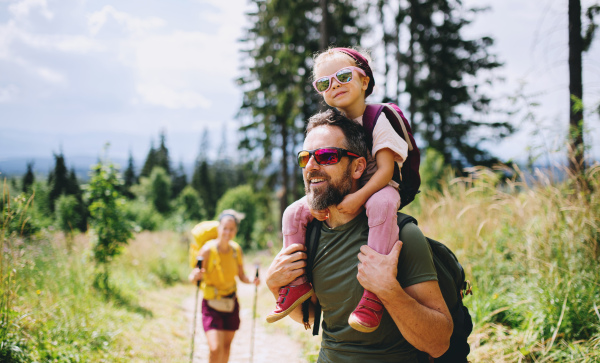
[(165, 335), (270, 345)]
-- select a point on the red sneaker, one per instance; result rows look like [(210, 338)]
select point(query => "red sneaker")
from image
[(289, 298), (367, 315)]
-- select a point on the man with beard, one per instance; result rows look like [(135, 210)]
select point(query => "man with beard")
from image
[(416, 317)]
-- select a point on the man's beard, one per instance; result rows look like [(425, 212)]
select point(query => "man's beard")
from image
[(332, 194)]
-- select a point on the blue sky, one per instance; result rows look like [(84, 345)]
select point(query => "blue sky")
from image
[(75, 74)]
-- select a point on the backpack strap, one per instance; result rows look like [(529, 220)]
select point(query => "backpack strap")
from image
[(370, 116), (313, 233), (404, 219)]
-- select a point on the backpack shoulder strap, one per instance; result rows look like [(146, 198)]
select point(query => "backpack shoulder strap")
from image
[(370, 116), (398, 121), (313, 233), (404, 219)]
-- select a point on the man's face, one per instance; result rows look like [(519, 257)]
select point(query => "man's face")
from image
[(326, 185)]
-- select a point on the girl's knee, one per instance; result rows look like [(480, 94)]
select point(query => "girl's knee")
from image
[(295, 217)]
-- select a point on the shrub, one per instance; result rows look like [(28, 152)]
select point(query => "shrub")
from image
[(68, 213), (190, 205)]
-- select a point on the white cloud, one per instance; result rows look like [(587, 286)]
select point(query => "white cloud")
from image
[(132, 24), (21, 9), (8, 93), (50, 75), (159, 95)]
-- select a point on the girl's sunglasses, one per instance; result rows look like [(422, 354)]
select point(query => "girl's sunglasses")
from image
[(324, 156), (344, 75)]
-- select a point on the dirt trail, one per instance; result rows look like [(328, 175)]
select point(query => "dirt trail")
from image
[(268, 347)]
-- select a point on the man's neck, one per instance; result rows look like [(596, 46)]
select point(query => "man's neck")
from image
[(336, 218)]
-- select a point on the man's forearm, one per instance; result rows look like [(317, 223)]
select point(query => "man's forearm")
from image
[(426, 328)]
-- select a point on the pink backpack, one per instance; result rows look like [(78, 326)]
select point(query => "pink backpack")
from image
[(411, 179)]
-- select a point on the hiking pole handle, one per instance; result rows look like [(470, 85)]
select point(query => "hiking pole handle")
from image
[(199, 261)]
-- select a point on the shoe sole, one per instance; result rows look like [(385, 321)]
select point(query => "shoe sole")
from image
[(278, 316), (356, 325)]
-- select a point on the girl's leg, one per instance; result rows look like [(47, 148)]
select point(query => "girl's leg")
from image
[(382, 212), (295, 219), (382, 209)]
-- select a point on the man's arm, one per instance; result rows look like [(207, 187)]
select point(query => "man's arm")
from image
[(419, 310)]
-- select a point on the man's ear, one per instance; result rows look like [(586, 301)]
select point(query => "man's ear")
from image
[(359, 166)]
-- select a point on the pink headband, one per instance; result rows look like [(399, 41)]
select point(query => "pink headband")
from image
[(362, 63)]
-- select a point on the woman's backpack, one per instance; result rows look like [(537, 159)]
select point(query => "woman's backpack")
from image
[(408, 177), (451, 278)]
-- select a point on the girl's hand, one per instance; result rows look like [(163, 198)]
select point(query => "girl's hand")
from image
[(320, 214), (351, 204)]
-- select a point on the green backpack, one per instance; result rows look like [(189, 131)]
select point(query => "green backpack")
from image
[(451, 278)]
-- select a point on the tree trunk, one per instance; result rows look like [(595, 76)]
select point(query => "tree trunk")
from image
[(410, 61), (283, 200), (324, 39), (576, 146)]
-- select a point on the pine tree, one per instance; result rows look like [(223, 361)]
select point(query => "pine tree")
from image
[(58, 180), (278, 95), (436, 66), (179, 181), (162, 155), (28, 178), (150, 162), (202, 178), (129, 178)]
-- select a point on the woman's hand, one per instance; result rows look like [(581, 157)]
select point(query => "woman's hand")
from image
[(196, 275)]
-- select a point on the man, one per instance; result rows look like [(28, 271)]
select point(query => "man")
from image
[(416, 317)]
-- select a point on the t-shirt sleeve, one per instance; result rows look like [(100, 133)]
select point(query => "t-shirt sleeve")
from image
[(415, 264), (384, 136)]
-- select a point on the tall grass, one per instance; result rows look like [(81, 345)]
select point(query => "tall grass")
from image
[(531, 247), (49, 311)]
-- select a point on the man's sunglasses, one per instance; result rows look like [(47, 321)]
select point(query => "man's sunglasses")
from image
[(344, 75), (324, 156)]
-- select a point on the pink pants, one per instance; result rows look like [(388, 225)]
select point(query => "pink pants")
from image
[(381, 208)]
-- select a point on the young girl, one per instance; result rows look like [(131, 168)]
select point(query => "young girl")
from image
[(344, 78)]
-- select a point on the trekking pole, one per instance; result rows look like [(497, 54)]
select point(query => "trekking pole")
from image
[(253, 319), (199, 265)]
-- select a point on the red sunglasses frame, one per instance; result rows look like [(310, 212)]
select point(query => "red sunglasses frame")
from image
[(339, 153)]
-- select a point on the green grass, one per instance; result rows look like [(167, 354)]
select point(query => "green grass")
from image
[(531, 251)]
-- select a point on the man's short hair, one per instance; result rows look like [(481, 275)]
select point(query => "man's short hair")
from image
[(354, 133)]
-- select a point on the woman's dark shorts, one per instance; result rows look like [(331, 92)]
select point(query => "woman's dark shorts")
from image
[(212, 319)]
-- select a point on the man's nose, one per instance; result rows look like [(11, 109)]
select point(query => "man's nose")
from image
[(312, 164)]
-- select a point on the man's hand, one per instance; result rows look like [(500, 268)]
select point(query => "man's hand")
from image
[(377, 272), (350, 204), (287, 266), (321, 215)]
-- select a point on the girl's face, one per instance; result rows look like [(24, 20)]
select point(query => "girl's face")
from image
[(342, 96), (227, 228)]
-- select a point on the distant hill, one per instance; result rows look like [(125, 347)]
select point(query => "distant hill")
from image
[(43, 165), (17, 166)]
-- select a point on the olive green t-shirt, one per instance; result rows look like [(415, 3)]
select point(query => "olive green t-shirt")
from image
[(338, 291)]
